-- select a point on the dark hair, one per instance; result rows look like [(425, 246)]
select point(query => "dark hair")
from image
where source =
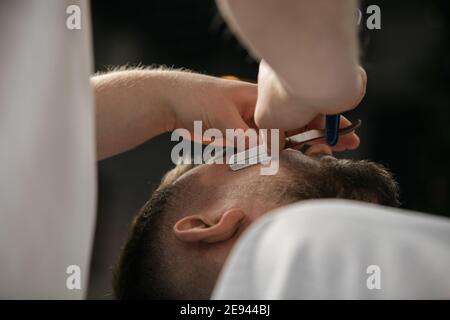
[(140, 263), (359, 180)]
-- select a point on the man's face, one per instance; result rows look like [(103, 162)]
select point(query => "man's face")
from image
[(250, 190), (315, 174), (184, 233), (219, 204)]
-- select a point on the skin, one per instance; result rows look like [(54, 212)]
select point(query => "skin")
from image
[(137, 105), (310, 69), (310, 57), (192, 228)]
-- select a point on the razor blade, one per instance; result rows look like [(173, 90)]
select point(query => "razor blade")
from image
[(259, 155)]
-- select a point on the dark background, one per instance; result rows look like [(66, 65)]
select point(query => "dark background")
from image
[(405, 112)]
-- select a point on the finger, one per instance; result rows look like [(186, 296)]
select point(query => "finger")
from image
[(317, 123), (267, 136), (349, 141), (251, 123), (240, 134), (362, 83), (245, 94), (245, 99)]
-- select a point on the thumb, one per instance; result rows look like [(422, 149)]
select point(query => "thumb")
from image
[(243, 136)]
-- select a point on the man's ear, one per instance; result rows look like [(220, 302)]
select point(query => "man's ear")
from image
[(198, 228)]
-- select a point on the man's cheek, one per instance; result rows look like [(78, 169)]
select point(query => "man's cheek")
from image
[(271, 169)]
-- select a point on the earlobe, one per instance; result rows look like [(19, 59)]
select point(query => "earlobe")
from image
[(197, 228)]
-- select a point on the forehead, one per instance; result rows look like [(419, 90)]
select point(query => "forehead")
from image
[(214, 174)]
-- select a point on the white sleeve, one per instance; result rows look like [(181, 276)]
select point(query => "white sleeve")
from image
[(331, 249), (47, 149)]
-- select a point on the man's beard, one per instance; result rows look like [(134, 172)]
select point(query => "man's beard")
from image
[(327, 177)]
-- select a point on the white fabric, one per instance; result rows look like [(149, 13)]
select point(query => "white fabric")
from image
[(321, 250), (47, 153)]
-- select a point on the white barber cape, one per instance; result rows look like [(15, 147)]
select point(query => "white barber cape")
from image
[(47, 150), (331, 249)]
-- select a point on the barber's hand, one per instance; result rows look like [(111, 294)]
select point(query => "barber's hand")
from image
[(277, 108), (134, 106), (219, 103)]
